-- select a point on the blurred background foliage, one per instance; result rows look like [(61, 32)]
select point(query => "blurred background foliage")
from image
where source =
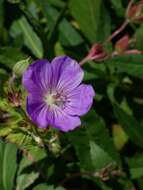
[(106, 152)]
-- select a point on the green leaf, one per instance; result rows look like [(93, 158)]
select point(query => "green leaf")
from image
[(8, 165), (80, 141), (93, 140), (130, 64), (25, 180), (31, 39), (87, 14), (43, 187), (120, 138), (36, 153), (57, 3), (94, 71), (135, 165), (130, 125), (59, 49), (47, 187), (104, 26), (98, 134), (68, 35)]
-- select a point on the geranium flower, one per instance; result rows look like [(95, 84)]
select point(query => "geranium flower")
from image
[(55, 95)]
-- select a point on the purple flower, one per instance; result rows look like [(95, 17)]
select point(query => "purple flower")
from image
[(56, 96)]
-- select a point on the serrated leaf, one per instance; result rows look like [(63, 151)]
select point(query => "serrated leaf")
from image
[(31, 39), (98, 134), (93, 145), (8, 165)]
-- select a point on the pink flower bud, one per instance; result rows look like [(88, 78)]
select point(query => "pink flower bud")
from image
[(122, 44), (97, 53), (135, 12)]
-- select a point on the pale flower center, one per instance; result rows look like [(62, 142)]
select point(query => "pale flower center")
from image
[(55, 99), (49, 99)]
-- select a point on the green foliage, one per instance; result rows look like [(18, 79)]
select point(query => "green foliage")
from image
[(106, 151), (130, 125), (31, 40), (8, 165), (91, 12), (95, 143), (67, 30)]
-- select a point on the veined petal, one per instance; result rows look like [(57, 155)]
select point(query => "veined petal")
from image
[(37, 111), (38, 76), (80, 100), (67, 73), (65, 122)]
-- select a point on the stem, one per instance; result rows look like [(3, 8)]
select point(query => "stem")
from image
[(119, 30), (81, 63)]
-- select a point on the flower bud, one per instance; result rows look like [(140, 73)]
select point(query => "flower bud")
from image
[(20, 67), (97, 53), (135, 12), (122, 45)]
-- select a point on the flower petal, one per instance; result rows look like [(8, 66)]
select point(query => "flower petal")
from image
[(38, 76), (80, 100), (37, 111), (65, 122), (67, 73)]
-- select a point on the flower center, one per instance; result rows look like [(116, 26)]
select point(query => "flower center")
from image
[(49, 99), (55, 99)]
